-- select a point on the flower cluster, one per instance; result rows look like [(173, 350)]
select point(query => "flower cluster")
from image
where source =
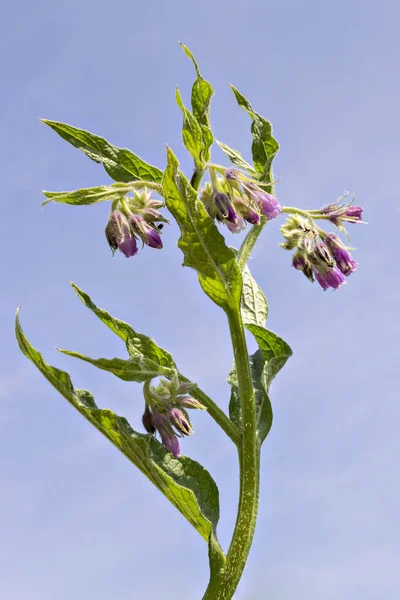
[(165, 411), (319, 255), (234, 199), (133, 218), (341, 212)]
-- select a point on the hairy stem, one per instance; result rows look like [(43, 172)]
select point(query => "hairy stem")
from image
[(248, 244), (216, 413), (224, 584)]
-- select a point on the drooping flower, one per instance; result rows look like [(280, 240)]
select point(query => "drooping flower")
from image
[(119, 234), (147, 420), (180, 421), (268, 204), (224, 207), (189, 402), (237, 226), (168, 437), (149, 235), (332, 277), (341, 255)]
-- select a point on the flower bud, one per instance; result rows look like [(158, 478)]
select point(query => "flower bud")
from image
[(341, 255), (119, 235), (224, 207), (168, 437), (180, 421), (148, 234), (147, 420), (354, 212), (189, 402)]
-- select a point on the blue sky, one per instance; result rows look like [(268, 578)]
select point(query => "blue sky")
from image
[(76, 519)]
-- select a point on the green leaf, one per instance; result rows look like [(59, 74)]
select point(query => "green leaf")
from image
[(274, 350), (235, 157), (191, 132), (120, 163), (265, 146), (265, 363), (86, 196), (202, 93), (254, 304), (183, 481), (139, 346), (137, 368), (203, 246)]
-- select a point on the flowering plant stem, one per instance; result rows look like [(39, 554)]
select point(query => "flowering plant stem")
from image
[(223, 586), (234, 197)]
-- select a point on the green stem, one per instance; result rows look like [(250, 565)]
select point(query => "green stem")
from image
[(196, 178), (248, 244), (304, 213), (216, 413), (224, 584)]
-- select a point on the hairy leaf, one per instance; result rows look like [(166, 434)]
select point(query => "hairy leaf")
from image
[(203, 246), (120, 163), (274, 350), (202, 93), (265, 146), (191, 132), (86, 196), (254, 304), (235, 157), (137, 368), (183, 481)]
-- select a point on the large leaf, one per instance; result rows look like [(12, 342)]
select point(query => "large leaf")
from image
[(202, 93), (191, 132), (235, 157), (86, 196), (183, 481), (265, 146), (265, 363), (203, 246), (254, 304), (120, 163)]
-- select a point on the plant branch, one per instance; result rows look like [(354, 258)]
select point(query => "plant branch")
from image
[(216, 413)]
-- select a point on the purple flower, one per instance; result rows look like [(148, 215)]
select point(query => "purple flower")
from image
[(189, 402), (331, 278), (355, 212), (321, 254), (224, 206), (147, 420), (335, 278), (341, 255), (237, 226), (180, 421), (119, 235), (148, 234), (298, 261), (168, 437), (321, 280), (268, 204)]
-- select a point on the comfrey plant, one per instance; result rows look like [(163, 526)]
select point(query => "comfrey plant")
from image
[(241, 196)]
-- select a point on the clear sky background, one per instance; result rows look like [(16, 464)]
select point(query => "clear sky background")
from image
[(76, 519)]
